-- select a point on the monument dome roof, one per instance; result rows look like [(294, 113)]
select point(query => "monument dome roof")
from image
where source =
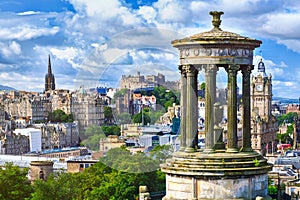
[(217, 35)]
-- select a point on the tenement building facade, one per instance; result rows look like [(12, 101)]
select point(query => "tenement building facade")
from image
[(88, 108)]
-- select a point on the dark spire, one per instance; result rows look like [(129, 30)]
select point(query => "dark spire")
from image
[(49, 65), (49, 78)]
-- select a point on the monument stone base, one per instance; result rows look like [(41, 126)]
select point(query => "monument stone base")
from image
[(202, 176)]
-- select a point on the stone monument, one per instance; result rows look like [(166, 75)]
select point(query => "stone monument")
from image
[(219, 171)]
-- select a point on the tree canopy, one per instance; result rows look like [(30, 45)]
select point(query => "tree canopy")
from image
[(142, 117), (116, 176), (93, 134), (287, 118), (202, 86), (108, 115), (164, 97), (60, 116), (14, 184)]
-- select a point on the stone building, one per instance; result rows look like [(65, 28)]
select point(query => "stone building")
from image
[(29, 105), (88, 109), (60, 100), (40, 170), (293, 108), (263, 123), (124, 103), (14, 144), (132, 82), (40, 108), (110, 142), (3, 121), (74, 166), (141, 101), (66, 152), (60, 135), (172, 112)]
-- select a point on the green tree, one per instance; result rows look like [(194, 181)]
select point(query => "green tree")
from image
[(60, 116), (14, 184), (92, 142), (124, 118), (202, 86), (128, 173), (287, 118), (57, 187), (118, 175), (121, 93), (93, 130), (161, 153), (165, 97), (155, 116), (138, 118), (108, 115), (287, 136), (111, 130)]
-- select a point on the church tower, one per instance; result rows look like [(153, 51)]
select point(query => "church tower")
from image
[(263, 123), (49, 78)]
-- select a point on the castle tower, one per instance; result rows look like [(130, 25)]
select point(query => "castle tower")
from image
[(40, 169), (219, 171), (49, 78), (263, 123)]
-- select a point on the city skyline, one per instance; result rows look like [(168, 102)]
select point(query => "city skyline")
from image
[(93, 43)]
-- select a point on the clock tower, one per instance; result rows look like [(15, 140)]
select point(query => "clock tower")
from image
[(263, 124)]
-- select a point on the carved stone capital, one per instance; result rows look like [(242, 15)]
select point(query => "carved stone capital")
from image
[(246, 70), (190, 69), (232, 70), (210, 68), (181, 69)]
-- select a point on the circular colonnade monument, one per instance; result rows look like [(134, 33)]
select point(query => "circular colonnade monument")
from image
[(219, 171)]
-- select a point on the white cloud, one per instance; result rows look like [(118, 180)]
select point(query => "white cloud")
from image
[(148, 13), (283, 25), (28, 13), (10, 49), (108, 37), (172, 11), (293, 45), (26, 32), (17, 80)]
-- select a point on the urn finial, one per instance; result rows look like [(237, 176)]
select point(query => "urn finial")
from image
[(216, 21)]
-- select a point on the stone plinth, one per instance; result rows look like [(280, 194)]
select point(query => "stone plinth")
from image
[(216, 176)]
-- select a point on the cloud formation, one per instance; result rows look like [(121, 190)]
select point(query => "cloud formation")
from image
[(98, 41)]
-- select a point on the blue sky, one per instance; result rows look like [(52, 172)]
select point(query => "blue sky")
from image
[(94, 42)]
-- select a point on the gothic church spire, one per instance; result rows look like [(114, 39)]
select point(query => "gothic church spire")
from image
[(49, 78)]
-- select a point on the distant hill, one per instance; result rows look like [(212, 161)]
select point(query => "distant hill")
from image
[(7, 88), (286, 100)]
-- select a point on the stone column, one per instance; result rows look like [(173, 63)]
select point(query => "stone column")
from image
[(192, 108), (182, 108), (232, 146), (246, 71), (210, 98)]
